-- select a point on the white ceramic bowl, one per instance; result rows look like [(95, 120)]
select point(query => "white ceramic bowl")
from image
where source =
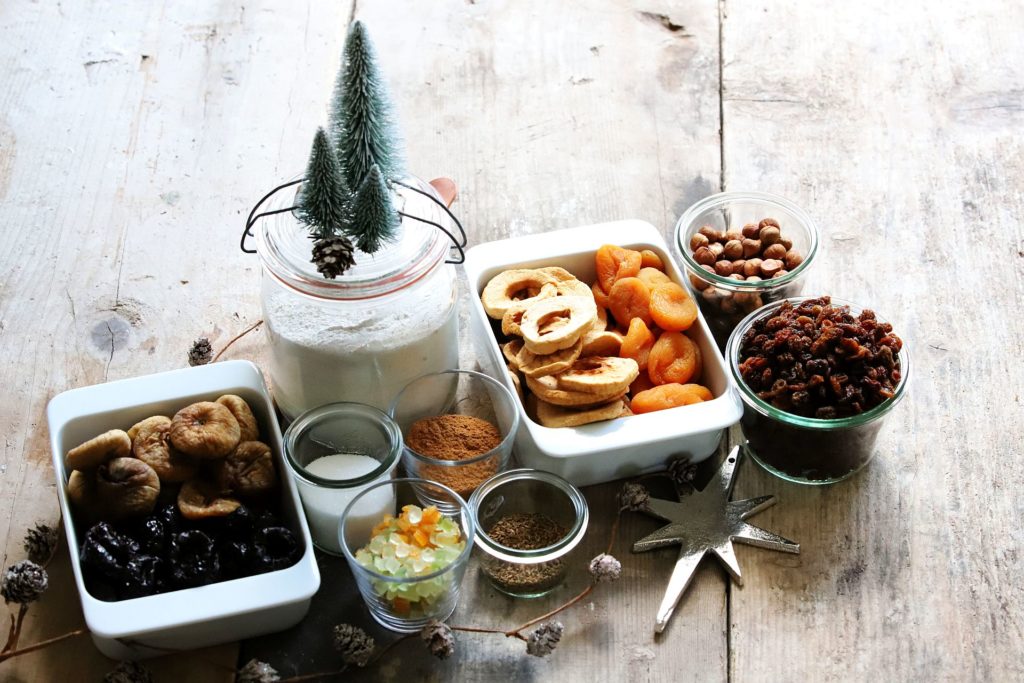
[(618, 448), (194, 617)]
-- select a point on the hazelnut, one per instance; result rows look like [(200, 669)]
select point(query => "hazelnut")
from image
[(699, 283), (769, 267), (751, 248), (697, 241), (737, 277), (733, 250), (711, 294), (774, 251), (769, 235), (780, 273), (752, 267), (712, 234), (716, 248), (708, 268), (728, 305), (753, 278), (768, 221), (786, 242), (751, 230), (723, 268), (731, 235), (704, 256), (737, 265), (793, 259)]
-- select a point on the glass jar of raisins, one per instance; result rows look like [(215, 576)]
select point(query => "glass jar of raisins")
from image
[(814, 402), (742, 250)]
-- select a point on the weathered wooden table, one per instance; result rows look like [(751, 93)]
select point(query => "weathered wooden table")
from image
[(135, 136)]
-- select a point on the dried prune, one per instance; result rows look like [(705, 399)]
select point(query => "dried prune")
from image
[(193, 559), (107, 551), (276, 548), (237, 558), (142, 576)]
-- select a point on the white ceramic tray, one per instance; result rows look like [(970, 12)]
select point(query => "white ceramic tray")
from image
[(194, 617), (613, 449)]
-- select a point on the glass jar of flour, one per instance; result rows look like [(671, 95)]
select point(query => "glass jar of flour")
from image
[(364, 335)]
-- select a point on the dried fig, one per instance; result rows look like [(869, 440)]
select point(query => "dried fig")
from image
[(82, 491), (152, 446), (126, 487), (243, 413), (249, 472), (199, 499), (98, 450), (205, 430)]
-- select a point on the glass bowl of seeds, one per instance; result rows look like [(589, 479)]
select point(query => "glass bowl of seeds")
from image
[(528, 524), (742, 250)]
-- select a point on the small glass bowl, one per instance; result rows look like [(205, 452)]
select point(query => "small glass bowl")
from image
[(528, 573), (404, 604), (461, 392), (808, 450), (725, 301)]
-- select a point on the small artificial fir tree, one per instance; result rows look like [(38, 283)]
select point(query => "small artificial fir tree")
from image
[(375, 217), (323, 202)]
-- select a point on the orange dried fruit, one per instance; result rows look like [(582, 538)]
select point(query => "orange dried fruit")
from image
[(600, 296), (674, 358), (637, 343), (669, 396), (648, 259), (630, 298), (641, 383), (672, 308), (614, 263), (653, 276)]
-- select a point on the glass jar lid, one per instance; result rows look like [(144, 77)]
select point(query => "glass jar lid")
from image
[(285, 249)]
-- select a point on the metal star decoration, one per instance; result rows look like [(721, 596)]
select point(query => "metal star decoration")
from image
[(707, 522)]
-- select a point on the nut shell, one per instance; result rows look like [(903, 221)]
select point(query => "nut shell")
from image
[(200, 499), (152, 446), (98, 450), (249, 471), (205, 430), (250, 429), (126, 487)]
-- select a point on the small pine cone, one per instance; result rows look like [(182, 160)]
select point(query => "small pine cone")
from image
[(24, 582), (200, 353), (129, 672), (605, 568), (682, 472), (333, 256), (439, 639), (40, 543), (257, 672), (543, 640), (355, 645), (634, 496)]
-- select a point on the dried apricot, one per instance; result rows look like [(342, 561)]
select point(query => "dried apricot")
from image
[(637, 343), (614, 263), (672, 307), (630, 298), (653, 276), (648, 259), (669, 396), (600, 297), (674, 358), (641, 383)]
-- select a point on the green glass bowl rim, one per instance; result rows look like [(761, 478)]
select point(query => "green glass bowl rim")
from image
[(756, 403), (723, 198)]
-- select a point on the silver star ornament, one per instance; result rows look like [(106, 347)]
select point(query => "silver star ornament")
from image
[(707, 522)]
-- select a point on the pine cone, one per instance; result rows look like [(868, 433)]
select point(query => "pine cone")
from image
[(355, 645), (40, 543), (333, 256), (605, 568), (634, 496), (129, 672), (681, 471), (544, 639), (200, 353), (257, 672), (24, 582), (439, 639)]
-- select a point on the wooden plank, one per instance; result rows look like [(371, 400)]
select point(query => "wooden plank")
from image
[(897, 125), (132, 140)]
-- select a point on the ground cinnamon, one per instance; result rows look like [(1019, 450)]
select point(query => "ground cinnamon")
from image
[(455, 437)]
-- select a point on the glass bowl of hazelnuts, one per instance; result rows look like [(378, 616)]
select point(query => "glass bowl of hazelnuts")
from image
[(743, 250)]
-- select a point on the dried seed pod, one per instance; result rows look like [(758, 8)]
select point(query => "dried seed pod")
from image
[(152, 446), (249, 472), (199, 499), (98, 450), (751, 248), (697, 240), (769, 235), (704, 256), (733, 250), (250, 429), (126, 487), (205, 430), (793, 259), (775, 251)]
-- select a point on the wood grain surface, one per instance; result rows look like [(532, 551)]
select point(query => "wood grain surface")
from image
[(134, 137)]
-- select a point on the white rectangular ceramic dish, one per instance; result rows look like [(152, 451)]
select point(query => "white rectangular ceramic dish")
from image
[(623, 447), (195, 617)]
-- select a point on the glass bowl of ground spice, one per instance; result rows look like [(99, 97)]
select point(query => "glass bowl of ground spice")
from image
[(458, 427), (528, 524), (817, 377)]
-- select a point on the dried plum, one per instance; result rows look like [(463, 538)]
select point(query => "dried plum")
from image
[(193, 560), (142, 576), (237, 559), (276, 548)]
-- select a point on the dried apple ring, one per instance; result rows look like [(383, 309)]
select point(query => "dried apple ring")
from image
[(205, 430), (649, 259), (669, 396), (672, 308), (98, 450), (599, 375), (153, 447), (630, 298), (250, 429), (199, 499), (534, 365), (510, 286), (614, 263), (557, 323), (511, 350), (249, 471), (601, 342), (674, 358), (637, 343), (572, 287)]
